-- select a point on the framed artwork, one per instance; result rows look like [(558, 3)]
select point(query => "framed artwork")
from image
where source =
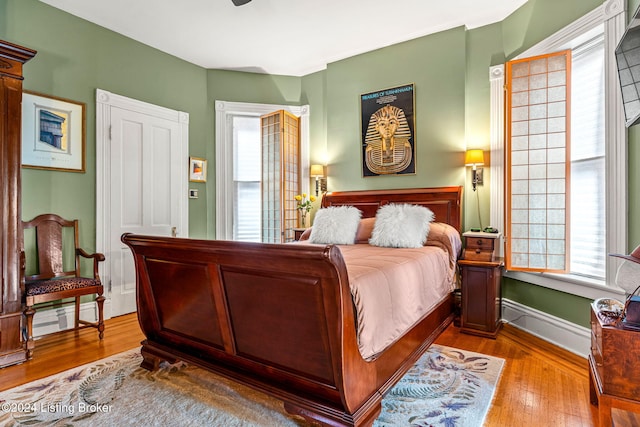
[(388, 131), (197, 169), (53, 133)]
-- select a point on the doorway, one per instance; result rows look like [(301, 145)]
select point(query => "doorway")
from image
[(141, 185), (234, 122)]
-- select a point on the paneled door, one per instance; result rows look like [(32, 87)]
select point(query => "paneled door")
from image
[(147, 176)]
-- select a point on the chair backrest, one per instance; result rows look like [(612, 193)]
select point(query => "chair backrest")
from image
[(49, 245)]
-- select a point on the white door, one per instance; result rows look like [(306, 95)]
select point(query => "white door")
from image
[(145, 179)]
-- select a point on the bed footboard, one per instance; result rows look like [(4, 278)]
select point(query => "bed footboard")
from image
[(275, 317)]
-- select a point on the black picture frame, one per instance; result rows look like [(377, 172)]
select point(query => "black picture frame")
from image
[(396, 154)]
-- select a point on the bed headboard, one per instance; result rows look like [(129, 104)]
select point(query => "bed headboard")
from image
[(444, 202)]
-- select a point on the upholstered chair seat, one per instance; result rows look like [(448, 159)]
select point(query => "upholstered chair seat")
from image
[(58, 285)]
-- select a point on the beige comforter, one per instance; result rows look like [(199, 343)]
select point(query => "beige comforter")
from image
[(394, 288)]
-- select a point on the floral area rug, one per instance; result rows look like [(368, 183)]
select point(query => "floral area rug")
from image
[(446, 387)]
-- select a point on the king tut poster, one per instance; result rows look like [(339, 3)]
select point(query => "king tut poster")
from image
[(388, 132)]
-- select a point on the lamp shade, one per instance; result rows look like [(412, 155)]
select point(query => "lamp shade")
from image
[(317, 170), (474, 158)]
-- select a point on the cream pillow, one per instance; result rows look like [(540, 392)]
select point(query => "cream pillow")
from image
[(335, 225), (401, 226)]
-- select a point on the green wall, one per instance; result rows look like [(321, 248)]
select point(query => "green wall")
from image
[(449, 70), (74, 58), (633, 166), (560, 304), (236, 86), (532, 23), (436, 65)]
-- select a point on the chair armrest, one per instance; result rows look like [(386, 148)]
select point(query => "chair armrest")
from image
[(97, 257)]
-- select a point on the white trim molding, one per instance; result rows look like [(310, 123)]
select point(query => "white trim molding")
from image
[(610, 18), (60, 319), (496, 213), (225, 110), (564, 334), (617, 208)]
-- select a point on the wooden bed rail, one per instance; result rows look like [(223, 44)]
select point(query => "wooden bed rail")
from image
[(263, 314)]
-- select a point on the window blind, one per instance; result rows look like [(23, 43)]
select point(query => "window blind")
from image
[(246, 179), (588, 215)]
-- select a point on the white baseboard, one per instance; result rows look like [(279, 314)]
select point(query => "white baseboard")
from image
[(59, 319), (564, 334)]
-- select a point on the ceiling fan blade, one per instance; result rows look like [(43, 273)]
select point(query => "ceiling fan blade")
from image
[(240, 2)]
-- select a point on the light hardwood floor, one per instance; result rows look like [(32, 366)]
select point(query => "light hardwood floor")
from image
[(64, 350), (541, 384)]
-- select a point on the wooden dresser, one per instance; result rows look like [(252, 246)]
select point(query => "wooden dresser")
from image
[(12, 57), (614, 369)]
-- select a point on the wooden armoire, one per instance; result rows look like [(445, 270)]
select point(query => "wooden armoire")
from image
[(12, 58)]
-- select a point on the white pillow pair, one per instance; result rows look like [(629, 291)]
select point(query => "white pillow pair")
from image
[(396, 226)]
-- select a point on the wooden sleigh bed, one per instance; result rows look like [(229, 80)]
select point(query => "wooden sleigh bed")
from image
[(280, 317)]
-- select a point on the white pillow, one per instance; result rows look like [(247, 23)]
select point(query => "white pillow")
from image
[(336, 225), (401, 226)]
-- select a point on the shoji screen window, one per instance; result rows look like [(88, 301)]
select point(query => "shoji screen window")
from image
[(280, 175), (538, 135)]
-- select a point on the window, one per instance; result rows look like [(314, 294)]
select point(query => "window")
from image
[(542, 126), (246, 178), (588, 181), (538, 142), (597, 167), (238, 213)]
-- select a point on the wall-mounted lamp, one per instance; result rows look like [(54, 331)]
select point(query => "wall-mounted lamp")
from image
[(317, 172), (474, 158)]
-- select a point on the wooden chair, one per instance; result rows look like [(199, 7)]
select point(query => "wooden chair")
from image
[(53, 283)]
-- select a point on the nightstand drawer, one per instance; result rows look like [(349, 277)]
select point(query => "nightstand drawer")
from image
[(478, 255), (480, 246), (481, 243)]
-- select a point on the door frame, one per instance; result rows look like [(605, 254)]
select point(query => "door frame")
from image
[(104, 101), (224, 154)]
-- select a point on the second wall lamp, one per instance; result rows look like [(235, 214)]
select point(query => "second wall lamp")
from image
[(317, 172), (474, 158)]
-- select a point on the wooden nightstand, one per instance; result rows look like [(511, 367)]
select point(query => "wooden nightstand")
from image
[(614, 369), (297, 232), (480, 285), (480, 246)]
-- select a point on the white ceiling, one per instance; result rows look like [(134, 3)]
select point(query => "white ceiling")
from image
[(290, 37)]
